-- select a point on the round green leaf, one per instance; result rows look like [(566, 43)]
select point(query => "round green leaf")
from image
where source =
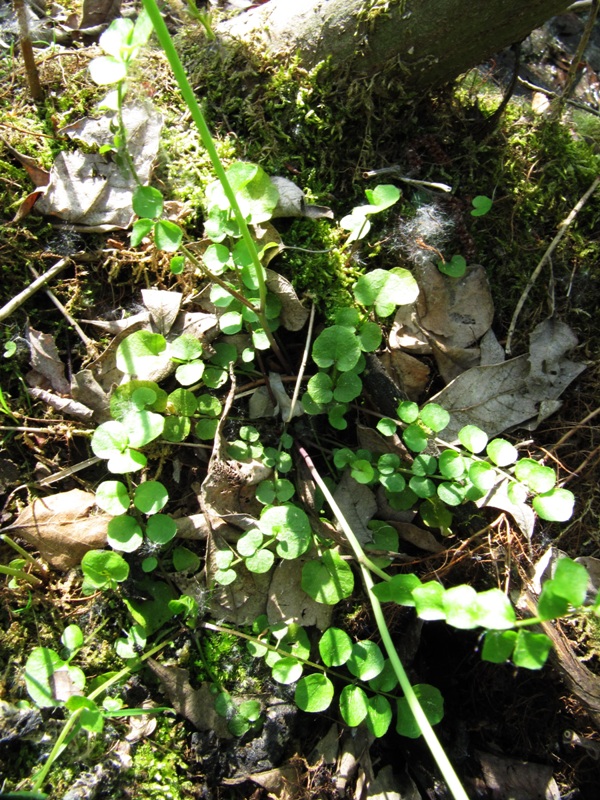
[(249, 543), (112, 497), (105, 70), (176, 429), (473, 438), (143, 427), (260, 562), (386, 681), (481, 205), (555, 505), (482, 475), (287, 670), (103, 568), (328, 580), (335, 647), (384, 290), (408, 411), (161, 529), (147, 202), (320, 388), (353, 705), (366, 660), (141, 353), (460, 606), (184, 560), (534, 475), (124, 533), (109, 439), (379, 715), (370, 336), (451, 464), (314, 693), (494, 610), (167, 235), (231, 322), (72, 637), (415, 438), (188, 374), (150, 496), (347, 388), (435, 417), (290, 526), (501, 452), (40, 666), (387, 426), (185, 348), (455, 268), (336, 346)]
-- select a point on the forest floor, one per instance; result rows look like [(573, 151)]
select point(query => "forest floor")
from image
[(510, 732)]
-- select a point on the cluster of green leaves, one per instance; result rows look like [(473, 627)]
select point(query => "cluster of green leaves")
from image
[(456, 475), (339, 348), (506, 637), (370, 681), (142, 411)]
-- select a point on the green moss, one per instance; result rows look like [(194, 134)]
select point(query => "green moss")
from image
[(158, 771)]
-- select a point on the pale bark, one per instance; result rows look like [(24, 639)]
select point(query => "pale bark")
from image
[(432, 41)]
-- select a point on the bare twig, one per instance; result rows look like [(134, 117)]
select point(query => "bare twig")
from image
[(302, 365), (89, 343), (563, 227), (19, 299), (559, 105), (550, 93)]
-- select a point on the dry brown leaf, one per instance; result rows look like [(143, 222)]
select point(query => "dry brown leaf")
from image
[(293, 314), (46, 362), (196, 705), (411, 375), (518, 780), (457, 311), (62, 527), (288, 602), (419, 537)]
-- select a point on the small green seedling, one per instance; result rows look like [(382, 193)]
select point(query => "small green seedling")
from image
[(481, 205), (358, 222)]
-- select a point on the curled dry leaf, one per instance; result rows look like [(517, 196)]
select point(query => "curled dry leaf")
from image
[(62, 527), (293, 313)]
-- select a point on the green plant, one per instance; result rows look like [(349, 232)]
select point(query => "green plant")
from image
[(437, 476), (52, 681)]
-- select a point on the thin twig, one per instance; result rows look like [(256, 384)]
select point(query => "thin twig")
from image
[(89, 343), (563, 227), (549, 93), (559, 105), (23, 296), (302, 369)]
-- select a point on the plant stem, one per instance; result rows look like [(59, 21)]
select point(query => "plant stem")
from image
[(188, 95), (429, 735), (437, 751), (18, 573)]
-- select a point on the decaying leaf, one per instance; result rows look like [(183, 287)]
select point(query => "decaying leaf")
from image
[(288, 602), (89, 189), (62, 527), (46, 362), (518, 780), (163, 307), (196, 705), (358, 505), (411, 375), (63, 404), (293, 313), (419, 537), (449, 316), (516, 391)]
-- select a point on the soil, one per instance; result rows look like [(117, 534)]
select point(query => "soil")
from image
[(510, 733)]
